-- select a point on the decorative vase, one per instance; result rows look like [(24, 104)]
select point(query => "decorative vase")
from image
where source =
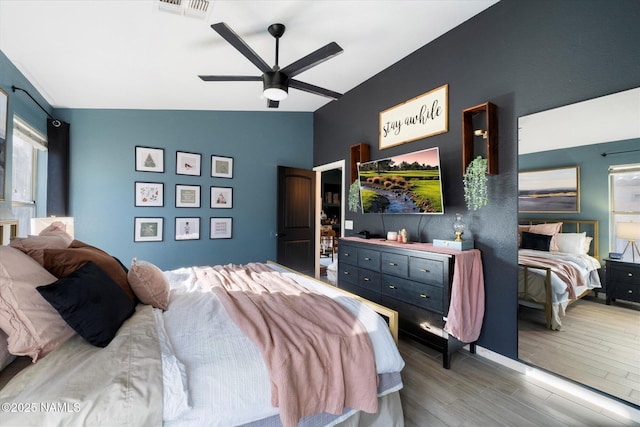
[(458, 227)]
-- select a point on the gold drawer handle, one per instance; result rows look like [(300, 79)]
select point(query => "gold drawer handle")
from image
[(367, 258), (392, 287), (630, 274), (424, 296), (424, 270), (346, 273), (393, 264), (630, 291), (366, 279), (347, 254)]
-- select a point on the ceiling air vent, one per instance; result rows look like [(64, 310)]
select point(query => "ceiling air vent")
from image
[(194, 8)]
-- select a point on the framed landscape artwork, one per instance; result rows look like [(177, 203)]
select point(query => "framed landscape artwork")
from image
[(549, 190)]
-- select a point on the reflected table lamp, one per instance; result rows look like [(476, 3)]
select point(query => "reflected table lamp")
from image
[(631, 232), (39, 224)]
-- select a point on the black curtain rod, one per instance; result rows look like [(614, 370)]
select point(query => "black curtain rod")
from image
[(618, 152), (55, 122)]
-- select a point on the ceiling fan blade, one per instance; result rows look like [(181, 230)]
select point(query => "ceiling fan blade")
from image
[(316, 90), (272, 104), (230, 36), (231, 78), (313, 59)]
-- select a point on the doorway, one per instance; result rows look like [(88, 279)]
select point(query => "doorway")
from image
[(329, 216)]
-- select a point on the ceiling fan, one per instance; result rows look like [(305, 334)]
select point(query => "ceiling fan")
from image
[(276, 81)]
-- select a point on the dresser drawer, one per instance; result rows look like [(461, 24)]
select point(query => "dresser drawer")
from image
[(395, 264), (368, 258), (426, 270), (369, 279), (347, 273), (421, 295), (347, 254), (624, 273), (373, 296), (626, 291)]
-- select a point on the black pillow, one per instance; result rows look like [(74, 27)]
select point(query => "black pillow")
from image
[(91, 302), (539, 242)]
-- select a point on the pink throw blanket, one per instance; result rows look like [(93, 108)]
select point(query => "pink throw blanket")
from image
[(319, 356), (567, 272), (466, 308)]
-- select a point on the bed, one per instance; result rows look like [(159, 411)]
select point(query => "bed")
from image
[(558, 264), (180, 357)]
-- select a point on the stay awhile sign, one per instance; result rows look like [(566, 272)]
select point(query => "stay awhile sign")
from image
[(420, 117)]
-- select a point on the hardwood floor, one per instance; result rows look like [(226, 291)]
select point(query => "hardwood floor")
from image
[(599, 345), (479, 392)]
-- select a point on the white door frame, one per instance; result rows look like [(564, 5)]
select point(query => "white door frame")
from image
[(339, 164)]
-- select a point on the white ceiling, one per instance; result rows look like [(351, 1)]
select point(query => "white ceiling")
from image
[(127, 54)]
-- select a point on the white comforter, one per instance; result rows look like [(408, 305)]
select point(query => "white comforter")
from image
[(217, 370)]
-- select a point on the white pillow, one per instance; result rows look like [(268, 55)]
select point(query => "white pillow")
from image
[(572, 243), (587, 244)]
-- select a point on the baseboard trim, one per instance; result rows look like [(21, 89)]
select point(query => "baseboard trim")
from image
[(592, 398)]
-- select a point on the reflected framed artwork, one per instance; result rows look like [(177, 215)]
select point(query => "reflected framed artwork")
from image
[(221, 228), (221, 167), (187, 196), (148, 229), (549, 190), (149, 159)]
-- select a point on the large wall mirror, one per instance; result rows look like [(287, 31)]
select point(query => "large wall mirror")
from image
[(570, 158)]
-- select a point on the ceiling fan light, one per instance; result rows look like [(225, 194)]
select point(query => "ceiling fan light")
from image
[(275, 85), (275, 93)]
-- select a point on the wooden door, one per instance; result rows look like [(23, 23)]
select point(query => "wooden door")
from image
[(296, 219)]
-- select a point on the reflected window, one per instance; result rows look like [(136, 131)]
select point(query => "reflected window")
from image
[(624, 187)]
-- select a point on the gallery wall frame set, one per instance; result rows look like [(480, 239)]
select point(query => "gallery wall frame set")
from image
[(549, 190)]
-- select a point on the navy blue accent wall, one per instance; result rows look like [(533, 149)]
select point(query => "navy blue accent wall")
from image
[(525, 57)]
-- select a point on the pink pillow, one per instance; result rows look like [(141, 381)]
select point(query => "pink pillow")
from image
[(550, 229), (149, 284), (52, 237), (33, 326)]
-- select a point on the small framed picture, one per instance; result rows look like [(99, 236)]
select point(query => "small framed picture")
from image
[(221, 167), (187, 228), (149, 194), (221, 228), (187, 196), (147, 229), (221, 197), (188, 163), (149, 159)]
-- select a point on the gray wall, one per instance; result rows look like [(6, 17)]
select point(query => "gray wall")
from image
[(524, 56)]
